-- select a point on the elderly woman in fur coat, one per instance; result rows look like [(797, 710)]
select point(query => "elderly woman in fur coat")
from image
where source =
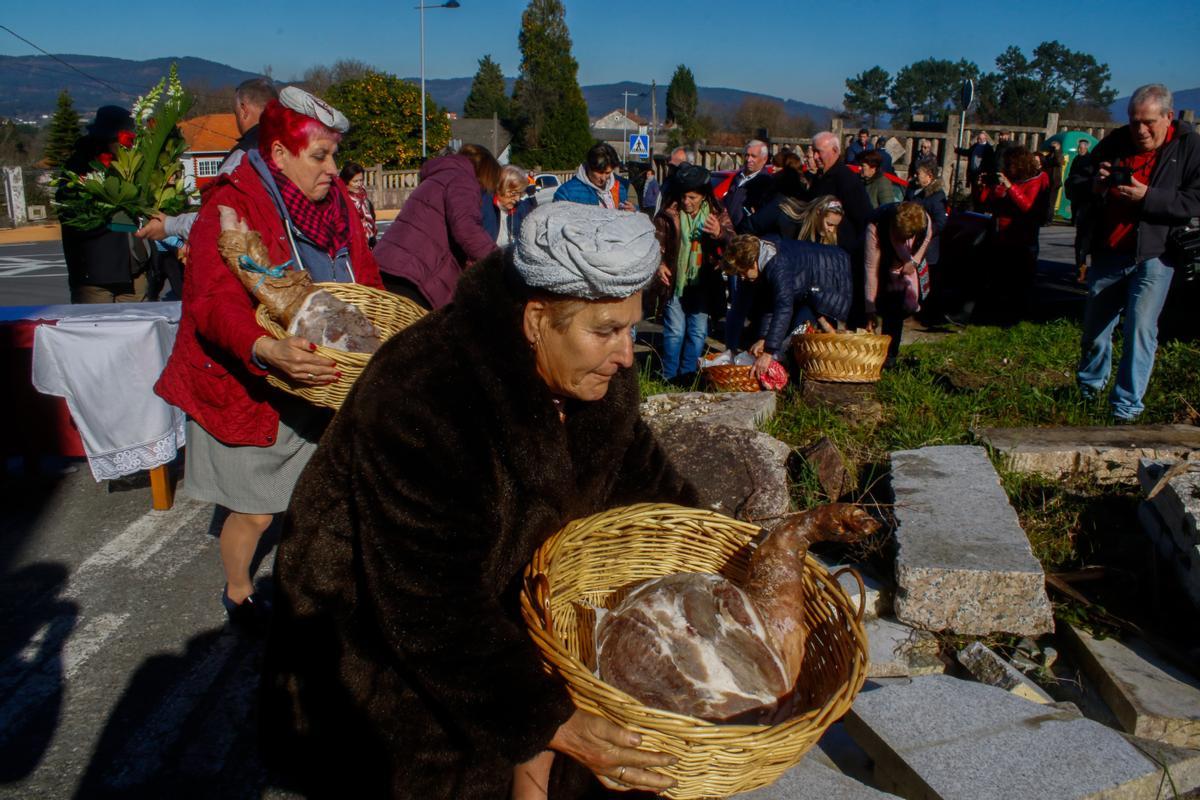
[(398, 665)]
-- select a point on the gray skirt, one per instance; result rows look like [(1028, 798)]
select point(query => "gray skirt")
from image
[(249, 479)]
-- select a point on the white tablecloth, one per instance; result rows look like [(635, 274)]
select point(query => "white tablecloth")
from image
[(105, 362)]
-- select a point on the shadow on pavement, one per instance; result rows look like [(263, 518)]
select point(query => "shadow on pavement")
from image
[(32, 665)]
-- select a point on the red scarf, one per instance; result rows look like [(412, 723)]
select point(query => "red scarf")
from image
[(1120, 213), (326, 223)]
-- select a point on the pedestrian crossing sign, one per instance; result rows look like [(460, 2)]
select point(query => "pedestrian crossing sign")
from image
[(639, 145)]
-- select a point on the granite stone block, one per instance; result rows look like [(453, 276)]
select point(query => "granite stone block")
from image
[(943, 738), (744, 410), (895, 650), (1150, 697), (987, 666), (1107, 453), (963, 561), (813, 779)]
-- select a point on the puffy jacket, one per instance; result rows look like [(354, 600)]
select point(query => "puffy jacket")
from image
[(439, 232), (805, 273), (210, 374), (1020, 209), (577, 191), (933, 199)]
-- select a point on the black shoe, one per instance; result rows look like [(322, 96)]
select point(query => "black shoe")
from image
[(251, 615)]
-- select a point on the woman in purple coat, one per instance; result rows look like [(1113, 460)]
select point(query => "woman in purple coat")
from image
[(440, 231)]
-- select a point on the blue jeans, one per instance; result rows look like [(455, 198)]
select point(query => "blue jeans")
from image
[(685, 327), (1115, 284)]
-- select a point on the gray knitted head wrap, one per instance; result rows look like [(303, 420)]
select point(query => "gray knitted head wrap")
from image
[(586, 251)]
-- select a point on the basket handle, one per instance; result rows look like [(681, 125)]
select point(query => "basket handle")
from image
[(862, 591), (541, 598)]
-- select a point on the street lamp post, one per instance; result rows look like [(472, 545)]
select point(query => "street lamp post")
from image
[(421, 8)]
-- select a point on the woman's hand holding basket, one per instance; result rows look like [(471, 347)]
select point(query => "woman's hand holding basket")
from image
[(294, 359)]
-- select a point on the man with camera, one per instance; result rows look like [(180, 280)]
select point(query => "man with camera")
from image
[(1147, 187)]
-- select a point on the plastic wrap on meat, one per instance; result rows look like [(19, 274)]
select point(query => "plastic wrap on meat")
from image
[(700, 645), (331, 322)]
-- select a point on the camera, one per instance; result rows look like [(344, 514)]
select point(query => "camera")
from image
[(1120, 176)]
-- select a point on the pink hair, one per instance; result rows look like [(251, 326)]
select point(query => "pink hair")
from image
[(291, 129)]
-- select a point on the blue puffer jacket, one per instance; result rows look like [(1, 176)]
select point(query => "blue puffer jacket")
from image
[(578, 191), (801, 273)]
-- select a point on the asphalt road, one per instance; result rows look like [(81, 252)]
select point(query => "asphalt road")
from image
[(35, 274)]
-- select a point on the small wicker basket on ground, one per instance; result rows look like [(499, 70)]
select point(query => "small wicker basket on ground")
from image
[(390, 314), (730, 377), (841, 357), (596, 561)]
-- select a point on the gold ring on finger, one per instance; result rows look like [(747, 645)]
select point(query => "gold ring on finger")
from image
[(311, 376), (621, 775)]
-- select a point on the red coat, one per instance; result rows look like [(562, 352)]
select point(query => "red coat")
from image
[(1020, 209), (210, 374)]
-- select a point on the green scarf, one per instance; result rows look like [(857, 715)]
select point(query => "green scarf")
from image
[(687, 263)]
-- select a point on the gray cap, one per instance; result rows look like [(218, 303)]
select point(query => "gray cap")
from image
[(310, 105), (586, 251)]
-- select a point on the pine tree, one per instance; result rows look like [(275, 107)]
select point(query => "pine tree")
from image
[(866, 95), (550, 113), (682, 101), (64, 130), (487, 95)]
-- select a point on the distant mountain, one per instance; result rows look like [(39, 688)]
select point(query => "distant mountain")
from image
[(31, 84), (1184, 99), (604, 97)]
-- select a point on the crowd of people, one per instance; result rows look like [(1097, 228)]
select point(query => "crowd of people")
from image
[(397, 662)]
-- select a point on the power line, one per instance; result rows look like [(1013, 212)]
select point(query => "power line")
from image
[(90, 77), (105, 84)]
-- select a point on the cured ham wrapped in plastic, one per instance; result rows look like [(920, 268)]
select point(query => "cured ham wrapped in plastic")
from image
[(701, 645), (290, 296)]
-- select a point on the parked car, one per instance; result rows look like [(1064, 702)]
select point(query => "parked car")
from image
[(543, 187)]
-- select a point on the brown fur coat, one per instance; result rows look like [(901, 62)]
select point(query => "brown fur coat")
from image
[(398, 665)]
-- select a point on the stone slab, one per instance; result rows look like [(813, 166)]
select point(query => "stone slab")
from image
[(1171, 520), (738, 472), (878, 597), (1150, 697), (1177, 503), (963, 561), (813, 779), (943, 738), (894, 650), (1108, 453), (744, 410), (987, 666)]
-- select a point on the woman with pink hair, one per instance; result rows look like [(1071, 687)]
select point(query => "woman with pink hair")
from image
[(248, 442)]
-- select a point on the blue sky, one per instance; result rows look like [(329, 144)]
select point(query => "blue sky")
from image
[(790, 49)]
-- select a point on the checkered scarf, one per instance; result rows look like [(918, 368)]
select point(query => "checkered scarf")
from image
[(326, 223)]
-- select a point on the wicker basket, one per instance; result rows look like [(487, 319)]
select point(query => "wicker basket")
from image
[(596, 561), (841, 357), (390, 314), (730, 377)]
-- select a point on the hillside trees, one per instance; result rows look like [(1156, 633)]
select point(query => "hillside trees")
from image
[(928, 87), (488, 95), (549, 113), (385, 121)]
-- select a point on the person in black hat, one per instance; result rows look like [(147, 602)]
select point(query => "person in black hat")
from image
[(103, 265), (691, 227)]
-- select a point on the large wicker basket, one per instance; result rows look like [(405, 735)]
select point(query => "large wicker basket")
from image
[(730, 377), (841, 357), (390, 313), (594, 562)]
